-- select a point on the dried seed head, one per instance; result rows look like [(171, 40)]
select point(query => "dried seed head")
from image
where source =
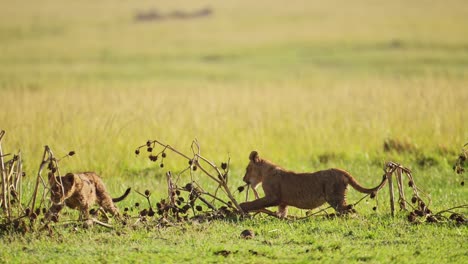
[(462, 157), (247, 234), (149, 149), (151, 212), (188, 187), (27, 211), (161, 165), (71, 153), (419, 212), (460, 219), (431, 219), (147, 192), (148, 143), (186, 207), (414, 199), (411, 217), (410, 183), (137, 151), (37, 211), (24, 174), (372, 195), (137, 204), (240, 188), (190, 162), (223, 165), (194, 167), (163, 154), (158, 205), (462, 183), (126, 209), (44, 210), (199, 208), (178, 193), (143, 212), (374, 208)]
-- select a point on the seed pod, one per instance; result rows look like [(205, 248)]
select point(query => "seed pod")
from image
[(71, 153), (37, 211), (462, 183), (177, 192), (372, 195), (199, 208), (148, 143), (223, 165), (126, 209), (147, 192), (188, 187), (240, 188), (161, 165), (151, 212), (137, 204), (411, 217), (414, 199), (462, 157), (410, 183), (194, 167), (190, 162), (418, 212), (149, 149), (186, 207), (143, 212), (158, 205), (137, 151), (247, 234), (431, 219), (374, 208), (163, 154)]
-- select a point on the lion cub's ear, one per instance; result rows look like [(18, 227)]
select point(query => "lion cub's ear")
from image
[(254, 156), (70, 178)]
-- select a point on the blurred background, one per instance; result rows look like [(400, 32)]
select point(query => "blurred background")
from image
[(309, 84)]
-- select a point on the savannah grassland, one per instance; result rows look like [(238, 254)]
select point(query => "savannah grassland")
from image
[(309, 84)]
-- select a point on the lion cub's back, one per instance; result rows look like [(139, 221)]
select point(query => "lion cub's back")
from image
[(98, 183)]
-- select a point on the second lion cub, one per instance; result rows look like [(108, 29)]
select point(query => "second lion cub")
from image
[(81, 191)]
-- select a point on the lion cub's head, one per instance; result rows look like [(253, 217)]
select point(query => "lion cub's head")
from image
[(57, 194), (254, 171)]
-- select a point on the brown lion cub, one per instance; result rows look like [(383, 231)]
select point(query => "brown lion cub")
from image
[(81, 191), (303, 190)]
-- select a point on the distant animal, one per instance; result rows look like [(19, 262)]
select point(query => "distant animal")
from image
[(285, 188), (80, 191)]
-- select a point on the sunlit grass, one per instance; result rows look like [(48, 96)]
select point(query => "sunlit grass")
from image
[(310, 85)]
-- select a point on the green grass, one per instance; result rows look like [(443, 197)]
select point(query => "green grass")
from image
[(310, 85)]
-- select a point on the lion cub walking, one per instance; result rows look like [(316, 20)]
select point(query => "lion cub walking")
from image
[(81, 191), (303, 190)]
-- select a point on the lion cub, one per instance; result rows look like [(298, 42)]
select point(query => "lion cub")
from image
[(303, 190), (81, 191)]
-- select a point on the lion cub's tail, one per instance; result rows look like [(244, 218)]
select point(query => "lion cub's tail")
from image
[(118, 199), (359, 188)]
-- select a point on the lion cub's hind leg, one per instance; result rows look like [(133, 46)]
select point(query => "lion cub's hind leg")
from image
[(337, 200), (282, 211)]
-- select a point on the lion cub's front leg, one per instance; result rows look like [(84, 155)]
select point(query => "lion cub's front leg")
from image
[(259, 204)]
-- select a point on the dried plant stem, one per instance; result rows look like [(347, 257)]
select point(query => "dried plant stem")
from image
[(4, 179), (220, 180)]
